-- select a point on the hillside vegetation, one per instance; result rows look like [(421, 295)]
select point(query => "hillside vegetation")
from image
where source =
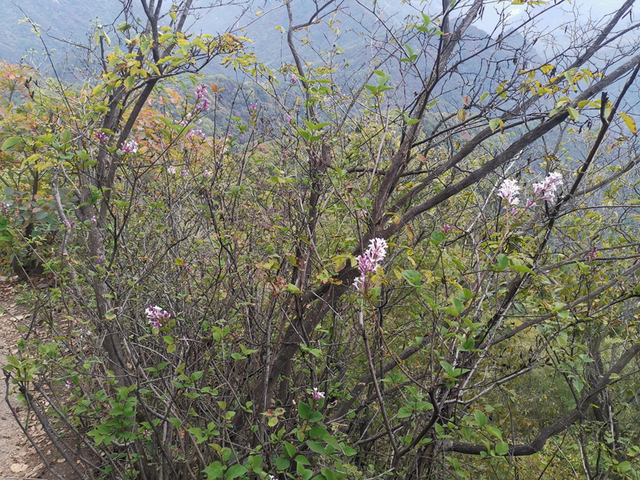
[(367, 244)]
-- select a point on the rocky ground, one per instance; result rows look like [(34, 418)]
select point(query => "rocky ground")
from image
[(18, 458)]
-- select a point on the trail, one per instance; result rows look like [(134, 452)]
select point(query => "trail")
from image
[(18, 459)]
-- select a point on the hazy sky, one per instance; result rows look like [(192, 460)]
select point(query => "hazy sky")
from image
[(593, 8)]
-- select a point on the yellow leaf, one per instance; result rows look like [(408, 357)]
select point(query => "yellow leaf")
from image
[(631, 123)]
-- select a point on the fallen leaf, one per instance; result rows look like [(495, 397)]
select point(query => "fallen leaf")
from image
[(18, 467)]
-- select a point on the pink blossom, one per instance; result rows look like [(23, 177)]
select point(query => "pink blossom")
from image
[(207, 173), (202, 102), (196, 132), (446, 228), (316, 394), (171, 170), (370, 260), (129, 147), (546, 189), (509, 191), (156, 315), (102, 137), (67, 384)]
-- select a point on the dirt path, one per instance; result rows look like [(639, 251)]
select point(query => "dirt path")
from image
[(18, 459)]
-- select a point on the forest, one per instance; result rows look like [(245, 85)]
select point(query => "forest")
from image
[(328, 239)]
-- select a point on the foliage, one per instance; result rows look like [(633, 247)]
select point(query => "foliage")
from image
[(310, 276)]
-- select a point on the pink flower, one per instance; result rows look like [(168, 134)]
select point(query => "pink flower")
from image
[(317, 395), (102, 137), (509, 191), (370, 260), (546, 189), (171, 170), (202, 102), (156, 315), (129, 147), (196, 132), (207, 173), (67, 384), (446, 228)]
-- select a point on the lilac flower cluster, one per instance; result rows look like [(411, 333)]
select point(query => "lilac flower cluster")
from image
[(202, 102), (196, 132), (5, 208), (546, 189), (509, 191), (591, 256), (102, 137), (316, 394), (370, 260), (171, 170), (156, 315), (69, 224), (129, 147)]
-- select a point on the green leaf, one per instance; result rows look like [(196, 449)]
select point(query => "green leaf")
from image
[(447, 368), (329, 474), (282, 463), (11, 142), (573, 113), (214, 471), (495, 124), (578, 385), (235, 472), (631, 123), (522, 269), (494, 431), (316, 447), (129, 82), (318, 432), (480, 417), (348, 451), (624, 466), (502, 448), (404, 412), (289, 449), (468, 344), (437, 237), (304, 410), (503, 262), (483, 97), (412, 277), (293, 289), (457, 304)]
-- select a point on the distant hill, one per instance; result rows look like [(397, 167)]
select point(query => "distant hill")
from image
[(68, 20)]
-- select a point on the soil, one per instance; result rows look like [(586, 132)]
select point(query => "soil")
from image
[(18, 459)]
